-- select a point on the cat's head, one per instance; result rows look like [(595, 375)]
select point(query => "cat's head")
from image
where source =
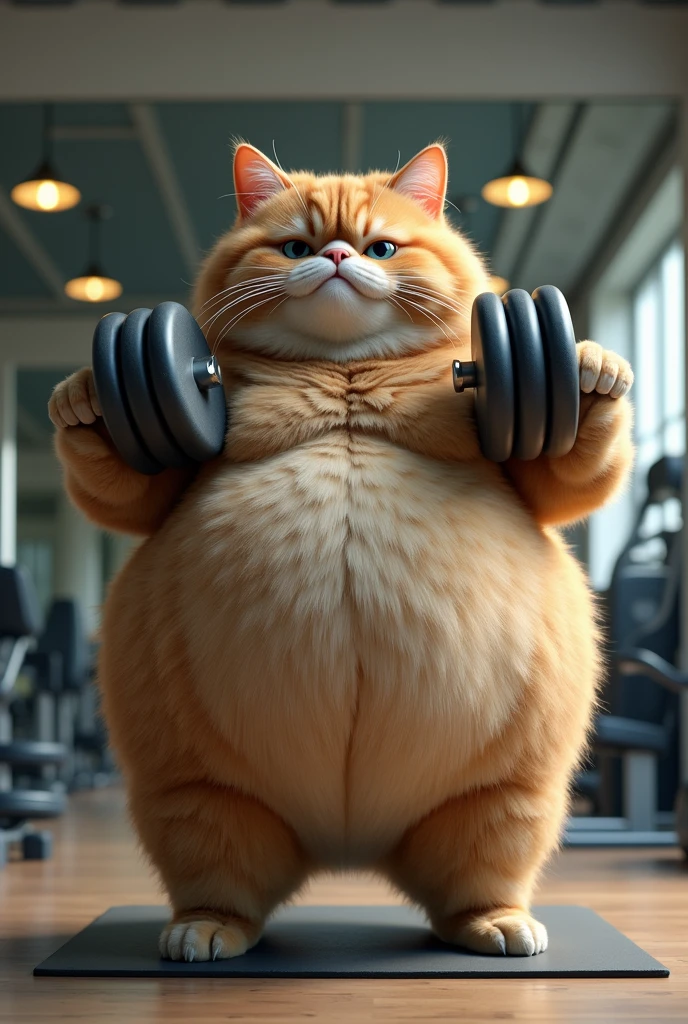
[(339, 267)]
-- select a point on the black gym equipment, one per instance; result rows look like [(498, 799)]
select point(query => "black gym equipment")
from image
[(525, 374), (159, 388), (351, 942), (20, 621)]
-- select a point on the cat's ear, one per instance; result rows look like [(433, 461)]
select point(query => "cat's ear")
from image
[(424, 179), (256, 178)]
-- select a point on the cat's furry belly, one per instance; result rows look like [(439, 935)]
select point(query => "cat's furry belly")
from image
[(359, 622)]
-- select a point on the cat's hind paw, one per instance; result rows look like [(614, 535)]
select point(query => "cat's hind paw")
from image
[(505, 931), (196, 939)]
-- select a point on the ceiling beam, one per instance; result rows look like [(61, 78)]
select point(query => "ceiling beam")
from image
[(27, 243), (608, 149), (649, 214), (545, 140), (208, 50), (160, 163)]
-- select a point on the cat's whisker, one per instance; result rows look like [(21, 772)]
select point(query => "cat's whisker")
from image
[(242, 298), (258, 285), (239, 316), (437, 195), (385, 186), (217, 297), (433, 295), (433, 317), (228, 195), (431, 292), (230, 305), (419, 293), (394, 302), (303, 201)]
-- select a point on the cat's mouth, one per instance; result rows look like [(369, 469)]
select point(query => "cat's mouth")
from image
[(337, 283)]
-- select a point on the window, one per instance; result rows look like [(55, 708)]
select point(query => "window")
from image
[(37, 557), (644, 323), (658, 359)]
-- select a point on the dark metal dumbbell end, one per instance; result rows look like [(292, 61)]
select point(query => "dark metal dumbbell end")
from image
[(207, 373), (524, 372), (159, 387), (464, 375)]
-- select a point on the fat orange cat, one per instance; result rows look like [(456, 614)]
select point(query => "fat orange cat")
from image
[(350, 640)]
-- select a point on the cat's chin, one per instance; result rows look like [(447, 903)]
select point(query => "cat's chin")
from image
[(336, 313), (283, 342)]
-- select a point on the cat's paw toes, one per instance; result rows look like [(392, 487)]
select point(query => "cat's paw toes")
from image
[(500, 932), (207, 939), (603, 371)]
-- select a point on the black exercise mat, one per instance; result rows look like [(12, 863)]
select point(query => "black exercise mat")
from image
[(351, 942)]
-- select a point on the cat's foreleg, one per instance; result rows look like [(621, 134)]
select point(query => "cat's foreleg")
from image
[(472, 864), (226, 861), (98, 481)]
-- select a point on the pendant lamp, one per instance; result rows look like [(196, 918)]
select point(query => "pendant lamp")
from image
[(94, 285), (518, 187), (44, 190)]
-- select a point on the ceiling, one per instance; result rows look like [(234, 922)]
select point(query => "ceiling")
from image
[(165, 170), (123, 155)]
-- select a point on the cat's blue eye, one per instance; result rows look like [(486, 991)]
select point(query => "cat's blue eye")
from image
[(381, 250), (296, 249)]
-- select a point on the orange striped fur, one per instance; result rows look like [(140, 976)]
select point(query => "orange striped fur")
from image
[(350, 640)]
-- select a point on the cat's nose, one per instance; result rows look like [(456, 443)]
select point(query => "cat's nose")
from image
[(336, 255)]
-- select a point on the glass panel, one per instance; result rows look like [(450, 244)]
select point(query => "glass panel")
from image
[(37, 557), (674, 360), (646, 316)]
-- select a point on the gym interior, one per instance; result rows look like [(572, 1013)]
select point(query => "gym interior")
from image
[(117, 119)]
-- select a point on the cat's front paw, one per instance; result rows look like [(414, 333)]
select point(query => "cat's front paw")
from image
[(75, 401), (204, 938), (603, 371), (504, 931)]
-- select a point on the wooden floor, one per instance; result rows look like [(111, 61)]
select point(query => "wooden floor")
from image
[(643, 892)]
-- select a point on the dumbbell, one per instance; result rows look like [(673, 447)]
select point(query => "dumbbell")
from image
[(525, 374), (159, 388)]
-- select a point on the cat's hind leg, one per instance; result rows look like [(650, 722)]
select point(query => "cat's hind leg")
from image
[(472, 863), (226, 861)]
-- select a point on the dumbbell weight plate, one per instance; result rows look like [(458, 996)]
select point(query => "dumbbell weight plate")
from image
[(138, 386), (494, 393), (530, 382), (107, 378), (196, 418), (561, 363)]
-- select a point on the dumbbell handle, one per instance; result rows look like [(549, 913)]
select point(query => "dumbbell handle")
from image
[(464, 375), (207, 373)]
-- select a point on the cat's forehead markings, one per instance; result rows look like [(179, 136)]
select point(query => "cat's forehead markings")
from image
[(380, 229), (297, 224), (361, 218), (318, 222)]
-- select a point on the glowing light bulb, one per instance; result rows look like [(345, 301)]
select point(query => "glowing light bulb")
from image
[(47, 195), (94, 289), (518, 192)]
